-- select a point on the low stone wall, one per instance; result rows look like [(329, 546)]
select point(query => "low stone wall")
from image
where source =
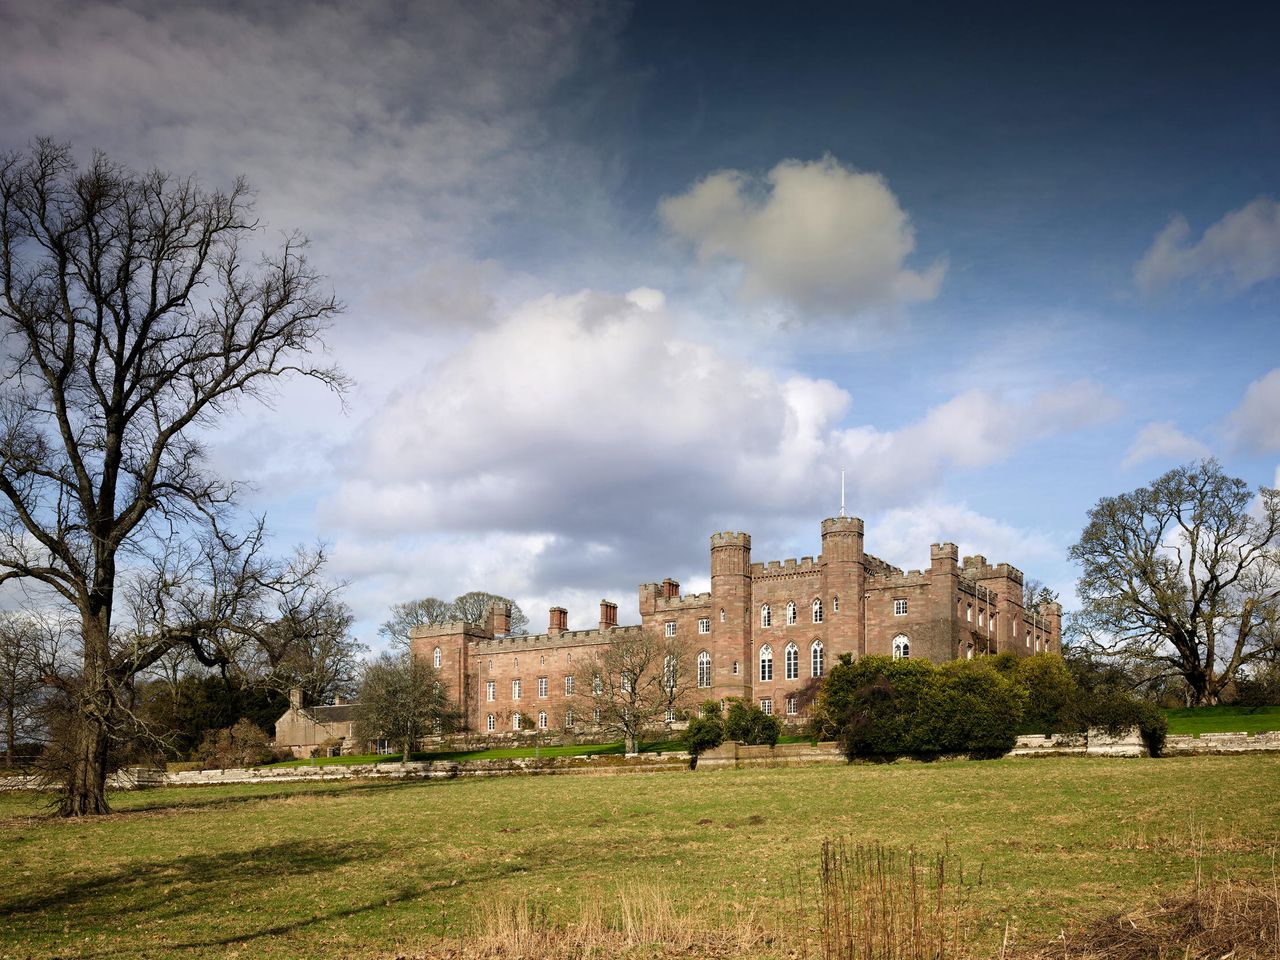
[(736, 755), (1095, 743), (1187, 744)]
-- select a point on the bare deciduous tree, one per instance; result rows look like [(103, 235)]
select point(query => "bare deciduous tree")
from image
[(1182, 577), (29, 651), (402, 699), (133, 317), (636, 682), (472, 607)]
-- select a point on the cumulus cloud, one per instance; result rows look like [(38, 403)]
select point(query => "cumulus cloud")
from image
[(1162, 440), (1240, 251), (902, 536), (819, 236), (1255, 424), (591, 416)]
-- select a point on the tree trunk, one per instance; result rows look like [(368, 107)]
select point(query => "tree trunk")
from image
[(632, 742), (11, 736), (86, 788)]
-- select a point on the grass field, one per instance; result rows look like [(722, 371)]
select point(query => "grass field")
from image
[(338, 870), (1224, 720)]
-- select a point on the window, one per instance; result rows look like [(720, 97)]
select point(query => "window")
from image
[(542, 661), (835, 604), (671, 715), (899, 608), (568, 657), (968, 652), (766, 662), (791, 613), (704, 625), (670, 673), (704, 669), (515, 661), (515, 689), (595, 715), (969, 613), (625, 682), (817, 611), (991, 623), (542, 686), (568, 686), (901, 648), (671, 628), (435, 658), (816, 659), (792, 706), (735, 668), (568, 718), (791, 657), (542, 719), (491, 723), (491, 690), (515, 721), (722, 614), (980, 618), (490, 664), (766, 617), (766, 705), (597, 685)]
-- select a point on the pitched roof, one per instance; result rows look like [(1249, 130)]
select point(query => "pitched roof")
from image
[(336, 714)]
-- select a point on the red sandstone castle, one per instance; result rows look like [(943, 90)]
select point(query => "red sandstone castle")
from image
[(767, 632)]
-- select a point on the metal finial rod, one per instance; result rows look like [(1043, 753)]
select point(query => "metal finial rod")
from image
[(842, 491)]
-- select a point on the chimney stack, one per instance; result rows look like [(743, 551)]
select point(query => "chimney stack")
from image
[(608, 614), (559, 620), (500, 618), (295, 698), (670, 589)]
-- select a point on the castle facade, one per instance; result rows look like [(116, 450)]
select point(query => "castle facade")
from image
[(766, 632)]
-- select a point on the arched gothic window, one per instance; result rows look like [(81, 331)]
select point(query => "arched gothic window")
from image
[(816, 658), (835, 604), (791, 657), (436, 658), (515, 721), (704, 669), (901, 647), (766, 662), (766, 616), (722, 614), (817, 610), (791, 612), (490, 723)]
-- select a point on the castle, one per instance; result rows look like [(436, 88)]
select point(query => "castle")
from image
[(766, 632)]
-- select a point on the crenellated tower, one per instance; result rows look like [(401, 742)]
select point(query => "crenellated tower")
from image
[(843, 581), (731, 613)]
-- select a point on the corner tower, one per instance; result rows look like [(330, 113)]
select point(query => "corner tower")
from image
[(844, 575), (731, 614)]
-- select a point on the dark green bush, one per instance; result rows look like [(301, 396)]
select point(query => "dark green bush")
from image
[(1052, 694), (747, 723), (705, 731)]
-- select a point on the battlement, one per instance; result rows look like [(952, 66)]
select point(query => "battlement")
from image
[(542, 641), (450, 628), (778, 568), (730, 538), (977, 590), (686, 600), (879, 568), (898, 579), (837, 525)]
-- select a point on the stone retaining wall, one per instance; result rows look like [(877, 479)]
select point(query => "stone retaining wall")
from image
[(1185, 744)]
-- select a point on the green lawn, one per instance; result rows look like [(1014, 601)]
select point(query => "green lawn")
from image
[(1199, 720), (507, 753), (357, 869)]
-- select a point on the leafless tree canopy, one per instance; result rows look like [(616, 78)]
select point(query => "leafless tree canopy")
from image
[(636, 681), (402, 700), (1183, 577), (472, 607), (133, 317)]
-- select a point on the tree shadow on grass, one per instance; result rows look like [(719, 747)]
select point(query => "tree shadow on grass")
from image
[(136, 903), (274, 792)]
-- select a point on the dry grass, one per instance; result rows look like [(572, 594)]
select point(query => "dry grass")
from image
[(634, 920), (879, 903), (1213, 921)]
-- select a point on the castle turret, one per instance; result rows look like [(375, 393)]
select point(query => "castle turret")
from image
[(731, 614), (499, 618), (843, 583)]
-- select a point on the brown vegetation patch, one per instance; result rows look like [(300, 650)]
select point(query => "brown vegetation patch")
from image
[(1215, 921)]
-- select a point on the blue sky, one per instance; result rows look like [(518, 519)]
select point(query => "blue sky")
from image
[(620, 276)]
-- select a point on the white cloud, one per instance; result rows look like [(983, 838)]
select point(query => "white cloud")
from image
[(828, 239), (1240, 251), (902, 536), (592, 418), (1255, 424), (1162, 440)]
